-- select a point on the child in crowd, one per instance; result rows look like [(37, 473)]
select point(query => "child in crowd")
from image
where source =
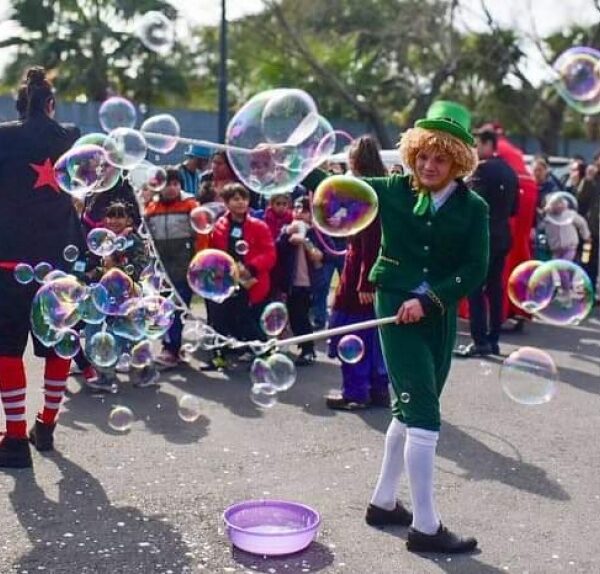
[(168, 220), (301, 272), (131, 258), (365, 382), (278, 213), (564, 228), (248, 240)]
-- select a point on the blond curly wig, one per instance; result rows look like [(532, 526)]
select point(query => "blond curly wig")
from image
[(415, 140)]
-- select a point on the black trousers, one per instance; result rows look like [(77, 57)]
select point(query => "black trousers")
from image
[(591, 268), (488, 296), (235, 317), (298, 306)]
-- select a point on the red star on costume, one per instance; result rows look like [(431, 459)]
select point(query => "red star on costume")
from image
[(45, 175)]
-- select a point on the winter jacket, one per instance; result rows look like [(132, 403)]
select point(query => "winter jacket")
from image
[(173, 235), (261, 256)]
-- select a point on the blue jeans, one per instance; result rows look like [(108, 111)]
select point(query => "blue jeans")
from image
[(172, 339), (320, 293)]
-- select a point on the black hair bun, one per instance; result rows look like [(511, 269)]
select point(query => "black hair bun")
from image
[(36, 76)]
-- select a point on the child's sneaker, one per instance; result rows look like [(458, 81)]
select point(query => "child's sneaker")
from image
[(217, 363), (123, 365), (104, 383), (143, 377), (167, 359)]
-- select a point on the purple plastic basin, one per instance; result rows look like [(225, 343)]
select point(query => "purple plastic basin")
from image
[(271, 527)]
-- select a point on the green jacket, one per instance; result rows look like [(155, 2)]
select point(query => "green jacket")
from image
[(449, 249)]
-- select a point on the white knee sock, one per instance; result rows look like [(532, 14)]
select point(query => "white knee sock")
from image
[(419, 457), (391, 466)]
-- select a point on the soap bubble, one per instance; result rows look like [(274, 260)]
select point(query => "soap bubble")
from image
[(343, 205), (529, 376), (188, 408), (41, 270), (117, 112), (566, 291), (88, 311), (112, 291), (102, 349), (69, 345), (161, 133), (142, 355), (71, 253), (23, 273), (213, 274), (282, 372), (578, 78), (274, 318), (275, 140), (58, 301), (125, 148), (519, 289), (264, 396), (260, 373), (351, 349), (202, 219), (121, 419), (156, 32), (101, 241), (156, 315)]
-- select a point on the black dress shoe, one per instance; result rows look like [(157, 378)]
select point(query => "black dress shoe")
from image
[(381, 517), (15, 453), (342, 404), (495, 348), (473, 350), (443, 541), (42, 436)]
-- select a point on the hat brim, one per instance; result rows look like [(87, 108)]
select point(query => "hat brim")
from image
[(448, 127)]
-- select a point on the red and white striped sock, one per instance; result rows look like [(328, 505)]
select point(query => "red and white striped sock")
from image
[(13, 391), (55, 384)]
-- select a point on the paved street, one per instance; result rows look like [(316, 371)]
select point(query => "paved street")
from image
[(524, 480)]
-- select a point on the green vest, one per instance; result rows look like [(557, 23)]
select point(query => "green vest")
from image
[(448, 249)]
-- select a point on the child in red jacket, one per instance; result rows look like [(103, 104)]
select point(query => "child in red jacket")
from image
[(248, 240)]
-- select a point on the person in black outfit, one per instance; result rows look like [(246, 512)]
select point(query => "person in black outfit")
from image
[(498, 184), (37, 221)]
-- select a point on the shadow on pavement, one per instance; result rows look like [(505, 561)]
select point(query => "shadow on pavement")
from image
[(314, 558), (100, 537), (156, 408)]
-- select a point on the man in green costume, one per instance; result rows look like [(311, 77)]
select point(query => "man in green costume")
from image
[(434, 251)]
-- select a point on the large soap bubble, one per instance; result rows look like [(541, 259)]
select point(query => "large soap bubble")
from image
[(161, 133), (519, 290), (275, 139), (566, 290), (117, 112), (102, 349), (213, 274), (529, 376), (57, 302), (125, 148), (85, 169), (343, 205), (113, 290)]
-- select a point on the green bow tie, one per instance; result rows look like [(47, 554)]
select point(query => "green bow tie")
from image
[(424, 205)]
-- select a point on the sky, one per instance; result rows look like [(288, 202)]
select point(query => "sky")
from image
[(529, 16)]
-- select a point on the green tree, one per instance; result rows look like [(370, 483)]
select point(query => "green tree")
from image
[(87, 45)]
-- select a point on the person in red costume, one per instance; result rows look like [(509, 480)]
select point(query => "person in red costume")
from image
[(521, 225)]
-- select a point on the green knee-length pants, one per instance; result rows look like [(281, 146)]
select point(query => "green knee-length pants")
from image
[(418, 358)]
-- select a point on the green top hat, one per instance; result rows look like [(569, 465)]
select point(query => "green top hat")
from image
[(449, 117)]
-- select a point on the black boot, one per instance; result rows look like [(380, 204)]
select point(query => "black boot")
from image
[(15, 453), (443, 541), (381, 517), (42, 436)]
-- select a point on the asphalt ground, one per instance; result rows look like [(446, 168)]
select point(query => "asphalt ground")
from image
[(524, 480)]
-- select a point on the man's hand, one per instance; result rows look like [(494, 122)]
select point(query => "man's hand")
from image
[(410, 311)]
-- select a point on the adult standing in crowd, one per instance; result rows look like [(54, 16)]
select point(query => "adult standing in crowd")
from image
[(37, 221), (497, 183), (588, 199), (195, 164)]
